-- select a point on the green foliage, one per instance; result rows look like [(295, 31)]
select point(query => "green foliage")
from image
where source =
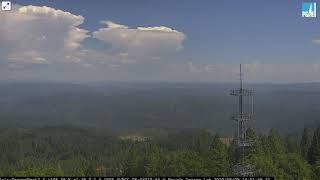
[(184, 163), (275, 143), (70, 151), (296, 167), (271, 158), (292, 143), (316, 169), (90, 171), (305, 142), (314, 150), (38, 171), (217, 159)]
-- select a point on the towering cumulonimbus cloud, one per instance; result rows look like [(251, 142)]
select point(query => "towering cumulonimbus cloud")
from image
[(33, 34)]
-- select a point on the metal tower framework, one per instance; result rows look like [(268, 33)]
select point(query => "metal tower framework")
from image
[(242, 118)]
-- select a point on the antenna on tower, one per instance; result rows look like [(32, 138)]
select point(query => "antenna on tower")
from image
[(242, 118), (240, 77)]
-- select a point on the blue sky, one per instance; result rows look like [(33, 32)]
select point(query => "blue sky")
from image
[(270, 37)]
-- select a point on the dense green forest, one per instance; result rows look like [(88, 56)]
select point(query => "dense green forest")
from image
[(167, 129), (75, 151)]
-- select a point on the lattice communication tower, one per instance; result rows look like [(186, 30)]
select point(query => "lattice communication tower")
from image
[(243, 118)]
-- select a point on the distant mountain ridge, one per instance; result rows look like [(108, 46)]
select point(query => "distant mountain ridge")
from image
[(287, 107)]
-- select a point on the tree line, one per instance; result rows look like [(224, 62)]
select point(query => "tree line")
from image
[(73, 151)]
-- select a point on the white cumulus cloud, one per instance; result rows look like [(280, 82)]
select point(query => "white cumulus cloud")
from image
[(37, 34), (47, 43), (146, 42)]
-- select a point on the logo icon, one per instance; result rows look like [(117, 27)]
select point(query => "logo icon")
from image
[(309, 9), (6, 5)]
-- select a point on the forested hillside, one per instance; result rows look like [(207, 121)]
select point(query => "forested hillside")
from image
[(154, 129), (74, 151)]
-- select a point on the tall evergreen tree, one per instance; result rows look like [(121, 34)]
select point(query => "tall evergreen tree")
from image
[(292, 143), (217, 159), (314, 151), (305, 142), (275, 142)]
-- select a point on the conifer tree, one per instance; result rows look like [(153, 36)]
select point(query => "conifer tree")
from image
[(314, 150), (305, 142)]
